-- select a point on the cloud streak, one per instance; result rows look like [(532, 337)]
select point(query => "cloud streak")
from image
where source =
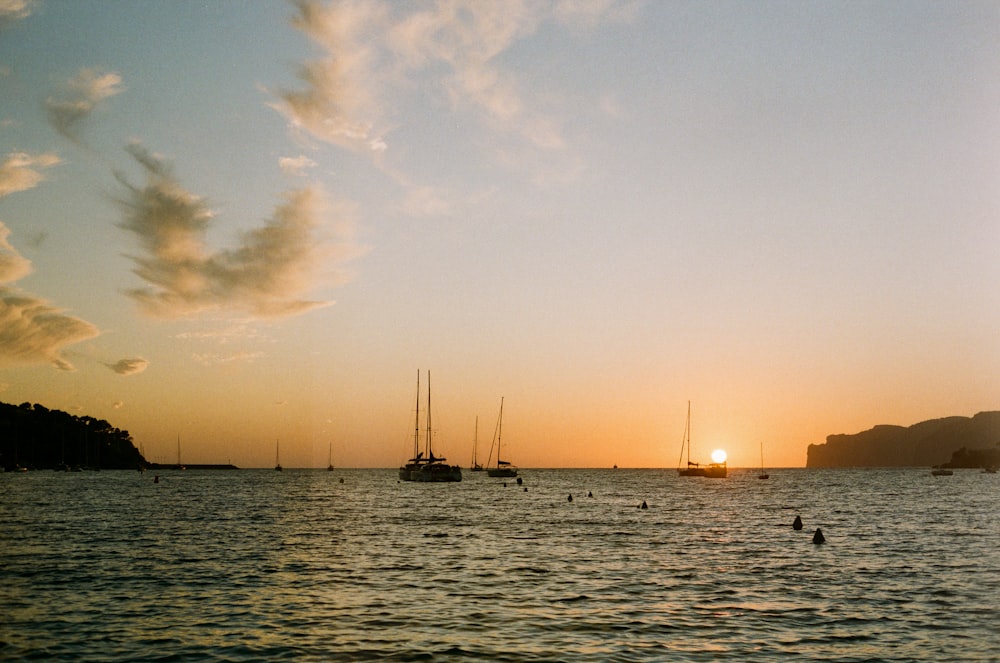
[(21, 171), (82, 95), (264, 275), (129, 366), (12, 11)]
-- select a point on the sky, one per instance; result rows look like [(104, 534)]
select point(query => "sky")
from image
[(237, 227)]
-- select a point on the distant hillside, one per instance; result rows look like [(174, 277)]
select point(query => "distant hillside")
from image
[(34, 437), (928, 443)]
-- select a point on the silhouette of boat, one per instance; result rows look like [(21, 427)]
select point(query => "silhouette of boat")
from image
[(503, 468), (763, 474), (941, 472), (425, 466), (710, 470), (329, 467), (476, 466)]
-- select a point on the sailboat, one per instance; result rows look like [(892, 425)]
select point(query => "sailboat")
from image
[(329, 467), (711, 470), (476, 466), (763, 474), (277, 462), (425, 466), (503, 468)]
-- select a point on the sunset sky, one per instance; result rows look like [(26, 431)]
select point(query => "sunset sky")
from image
[(232, 223)]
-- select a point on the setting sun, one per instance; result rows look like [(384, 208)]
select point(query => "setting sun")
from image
[(719, 456)]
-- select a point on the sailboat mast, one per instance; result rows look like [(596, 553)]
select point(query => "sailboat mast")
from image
[(475, 443), (416, 425), (499, 432), (687, 428), (430, 451)]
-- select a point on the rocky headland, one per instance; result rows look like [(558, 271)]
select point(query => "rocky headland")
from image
[(949, 442)]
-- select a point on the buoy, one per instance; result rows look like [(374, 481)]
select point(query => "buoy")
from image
[(797, 525), (589, 494), (156, 479), (644, 505), (570, 499), (525, 489), (818, 536), (519, 481)]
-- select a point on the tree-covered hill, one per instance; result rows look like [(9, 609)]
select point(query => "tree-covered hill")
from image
[(34, 437)]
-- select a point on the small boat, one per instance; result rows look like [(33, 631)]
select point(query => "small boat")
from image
[(503, 468), (476, 466), (763, 474), (277, 462), (329, 467), (941, 472), (989, 469), (710, 470), (425, 466)]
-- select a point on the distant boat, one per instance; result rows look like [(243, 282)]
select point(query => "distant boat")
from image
[(425, 466), (711, 470), (476, 466), (763, 474), (329, 468), (941, 472), (277, 463), (989, 470), (503, 468)]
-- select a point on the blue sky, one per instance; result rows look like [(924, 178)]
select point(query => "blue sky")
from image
[(237, 222)]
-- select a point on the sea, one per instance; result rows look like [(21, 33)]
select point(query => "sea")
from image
[(354, 565)]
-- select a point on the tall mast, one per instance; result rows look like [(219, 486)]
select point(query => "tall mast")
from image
[(687, 431), (475, 443), (500, 432), (430, 452), (416, 425)]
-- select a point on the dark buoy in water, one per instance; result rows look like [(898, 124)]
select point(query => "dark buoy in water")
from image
[(525, 489), (570, 498), (342, 480), (643, 506), (156, 479), (797, 525), (589, 494), (519, 481), (818, 536)]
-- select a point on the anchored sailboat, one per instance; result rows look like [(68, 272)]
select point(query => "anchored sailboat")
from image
[(277, 462), (711, 470), (425, 466), (763, 474), (476, 466), (503, 468), (329, 467)]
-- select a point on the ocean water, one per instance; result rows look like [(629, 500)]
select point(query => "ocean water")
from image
[(257, 565)]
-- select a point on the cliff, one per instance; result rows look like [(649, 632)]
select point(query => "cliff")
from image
[(931, 442)]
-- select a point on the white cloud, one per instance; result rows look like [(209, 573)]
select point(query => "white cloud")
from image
[(32, 330), (22, 171), (12, 11), (264, 275), (296, 165), (82, 95)]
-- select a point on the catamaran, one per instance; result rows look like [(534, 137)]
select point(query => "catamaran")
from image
[(425, 466)]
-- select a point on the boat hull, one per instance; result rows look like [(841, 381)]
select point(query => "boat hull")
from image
[(505, 472), (710, 471), (436, 473)]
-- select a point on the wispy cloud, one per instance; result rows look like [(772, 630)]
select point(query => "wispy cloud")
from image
[(296, 165), (31, 329), (82, 95), (12, 11), (21, 171), (129, 366), (264, 276)]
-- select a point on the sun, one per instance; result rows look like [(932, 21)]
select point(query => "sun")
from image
[(719, 456)]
